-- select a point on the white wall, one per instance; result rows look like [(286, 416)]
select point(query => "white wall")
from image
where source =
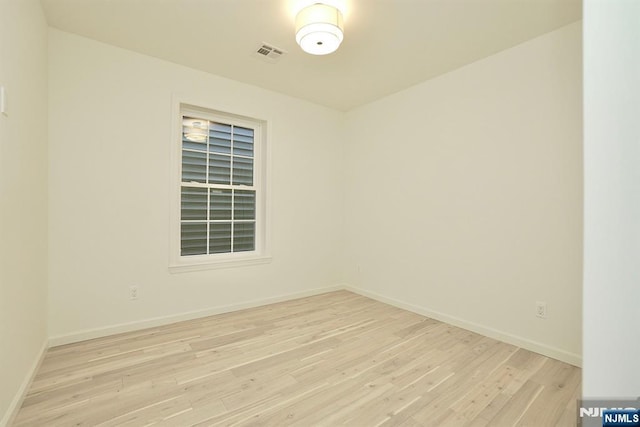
[(612, 198), (109, 183), (23, 196), (464, 195)]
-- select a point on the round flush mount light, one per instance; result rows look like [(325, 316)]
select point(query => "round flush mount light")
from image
[(195, 123), (195, 129), (319, 29), (195, 137)]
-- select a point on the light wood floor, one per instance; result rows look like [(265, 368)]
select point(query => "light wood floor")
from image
[(333, 359)]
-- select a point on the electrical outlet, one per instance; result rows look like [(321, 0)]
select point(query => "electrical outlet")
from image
[(3, 101), (133, 292), (541, 309)]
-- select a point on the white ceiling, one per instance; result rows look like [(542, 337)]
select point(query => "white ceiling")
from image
[(389, 45)]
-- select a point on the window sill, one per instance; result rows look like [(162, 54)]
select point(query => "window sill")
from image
[(216, 264)]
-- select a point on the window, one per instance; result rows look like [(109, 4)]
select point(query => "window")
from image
[(221, 217)]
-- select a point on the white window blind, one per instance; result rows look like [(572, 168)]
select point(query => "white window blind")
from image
[(218, 194)]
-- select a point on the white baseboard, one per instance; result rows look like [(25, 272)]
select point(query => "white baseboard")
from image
[(537, 347), (88, 334), (544, 349), (16, 403)]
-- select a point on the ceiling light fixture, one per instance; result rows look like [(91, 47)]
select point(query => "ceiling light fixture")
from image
[(195, 137), (319, 29), (195, 129)]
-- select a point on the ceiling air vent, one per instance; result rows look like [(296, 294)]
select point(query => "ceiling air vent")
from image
[(269, 53)]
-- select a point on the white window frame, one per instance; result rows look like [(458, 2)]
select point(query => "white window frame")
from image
[(261, 254)]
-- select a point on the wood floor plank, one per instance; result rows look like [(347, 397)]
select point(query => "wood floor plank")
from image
[(559, 382), (514, 408), (328, 360)]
